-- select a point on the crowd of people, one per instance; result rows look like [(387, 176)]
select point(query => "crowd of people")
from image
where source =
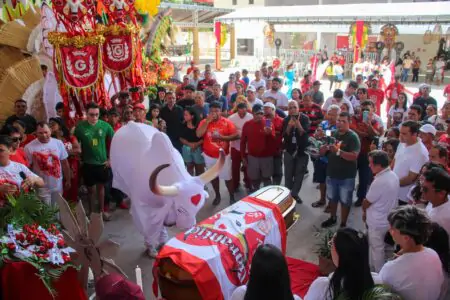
[(267, 137)]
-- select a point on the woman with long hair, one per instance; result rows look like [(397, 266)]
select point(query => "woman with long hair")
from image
[(350, 254), (73, 148), (296, 95), (155, 119), (269, 277), (397, 112), (192, 145)]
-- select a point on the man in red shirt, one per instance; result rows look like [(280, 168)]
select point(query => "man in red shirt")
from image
[(207, 81), (447, 92), (312, 110), (217, 132), (376, 95), (114, 119), (367, 128), (392, 91), (257, 135), (191, 68), (275, 148)]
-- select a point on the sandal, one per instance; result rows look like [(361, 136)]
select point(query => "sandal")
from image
[(327, 209), (319, 203)]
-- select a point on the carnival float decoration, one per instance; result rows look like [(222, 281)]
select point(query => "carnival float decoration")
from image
[(269, 34), (388, 35), (359, 33)]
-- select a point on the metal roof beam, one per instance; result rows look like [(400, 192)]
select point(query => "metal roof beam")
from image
[(194, 7), (192, 25)]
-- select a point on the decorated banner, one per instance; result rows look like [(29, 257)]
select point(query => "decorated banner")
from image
[(218, 251), (80, 67), (118, 52)]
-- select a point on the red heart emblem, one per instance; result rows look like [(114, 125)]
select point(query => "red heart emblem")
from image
[(196, 199), (222, 226)]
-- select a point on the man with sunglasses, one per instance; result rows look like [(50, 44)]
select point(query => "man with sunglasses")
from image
[(93, 135), (20, 113), (435, 190)]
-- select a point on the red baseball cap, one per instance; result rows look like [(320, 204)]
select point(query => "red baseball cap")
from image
[(115, 287), (139, 106)]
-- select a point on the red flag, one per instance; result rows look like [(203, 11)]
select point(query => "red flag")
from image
[(218, 31), (359, 37)]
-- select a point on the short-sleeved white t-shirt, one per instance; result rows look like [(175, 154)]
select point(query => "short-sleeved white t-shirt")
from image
[(258, 84), (257, 101), (282, 100), (415, 276), (383, 195), (320, 287), (239, 293), (11, 173), (409, 159), (440, 214), (239, 123), (331, 101), (46, 160)]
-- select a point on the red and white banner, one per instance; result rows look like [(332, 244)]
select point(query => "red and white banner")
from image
[(80, 67), (118, 52), (218, 251)]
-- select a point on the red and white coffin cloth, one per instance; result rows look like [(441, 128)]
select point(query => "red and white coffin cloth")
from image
[(218, 251)]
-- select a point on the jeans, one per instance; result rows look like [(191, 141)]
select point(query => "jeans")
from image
[(405, 73), (236, 163), (364, 174), (294, 171), (415, 77), (341, 190)]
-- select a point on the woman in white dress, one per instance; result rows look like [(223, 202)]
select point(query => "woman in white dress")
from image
[(269, 277), (350, 254)]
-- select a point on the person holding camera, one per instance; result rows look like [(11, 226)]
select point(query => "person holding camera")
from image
[(295, 139), (368, 130)]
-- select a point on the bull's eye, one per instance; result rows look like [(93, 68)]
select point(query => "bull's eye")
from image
[(196, 199)]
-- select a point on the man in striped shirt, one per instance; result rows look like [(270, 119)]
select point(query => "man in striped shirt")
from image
[(312, 110)]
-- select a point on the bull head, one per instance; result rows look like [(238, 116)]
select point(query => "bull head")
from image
[(187, 199)]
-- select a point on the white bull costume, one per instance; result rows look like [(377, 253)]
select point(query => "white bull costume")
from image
[(152, 173)]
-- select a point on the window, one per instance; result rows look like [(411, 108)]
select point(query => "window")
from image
[(251, 1), (234, 2), (245, 47)]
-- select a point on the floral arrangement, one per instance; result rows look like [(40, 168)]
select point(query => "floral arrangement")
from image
[(44, 248)]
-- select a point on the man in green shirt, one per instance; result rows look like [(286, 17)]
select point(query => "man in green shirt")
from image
[(342, 152), (93, 135)]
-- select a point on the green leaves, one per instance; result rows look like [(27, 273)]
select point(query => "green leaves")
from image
[(378, 292)]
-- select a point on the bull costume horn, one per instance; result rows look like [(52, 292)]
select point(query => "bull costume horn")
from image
[(172, 190), (212, 173)]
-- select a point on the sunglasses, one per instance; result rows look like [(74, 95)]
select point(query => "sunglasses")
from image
[(16, 139), (93, 115)]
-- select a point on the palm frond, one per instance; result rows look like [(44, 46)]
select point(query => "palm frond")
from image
[(378, 292)]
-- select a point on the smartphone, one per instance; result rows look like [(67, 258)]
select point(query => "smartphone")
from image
[(328, 132), (268, 123), (365, 116), (294, 118), (328, 136)]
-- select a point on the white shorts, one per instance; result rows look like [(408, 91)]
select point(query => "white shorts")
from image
[(225, 174)]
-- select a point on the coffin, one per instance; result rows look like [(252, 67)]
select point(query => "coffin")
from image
[(176, 283)]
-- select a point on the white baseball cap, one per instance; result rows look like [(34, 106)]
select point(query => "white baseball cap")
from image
[(428, 128), (269, 104), (251, 88)]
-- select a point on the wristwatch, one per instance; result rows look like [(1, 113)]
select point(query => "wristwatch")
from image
[(338, 153)]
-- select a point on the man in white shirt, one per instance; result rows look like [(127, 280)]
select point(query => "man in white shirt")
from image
[(48, 158), (435, 189), (251, 96), (282, 100), (349, 94), (411, 155), (417, 273), (338, 99), (239, 119), (380, 200), (258, 81)]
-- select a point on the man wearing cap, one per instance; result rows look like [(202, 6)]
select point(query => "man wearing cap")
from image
[(251, 96), (114, 119), (427, 134), (317, 94), (282, 100), (217, 132), (258, 81), (257, 135), (172, 114), (239, 119), (139, 114), (376, 95), (338, 99), (275, 148), (425, 100), (295, 141), (188, 98)]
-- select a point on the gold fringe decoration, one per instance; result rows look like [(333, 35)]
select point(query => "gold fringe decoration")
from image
[(15, 80), (15, 35), (58, 39), (31, 18), (117, 29)]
